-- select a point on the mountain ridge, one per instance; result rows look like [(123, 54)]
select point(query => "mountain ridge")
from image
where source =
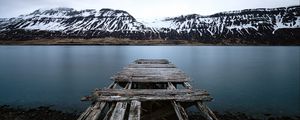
[(260, 25)]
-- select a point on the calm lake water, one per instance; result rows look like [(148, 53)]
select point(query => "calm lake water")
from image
[(247, 79)]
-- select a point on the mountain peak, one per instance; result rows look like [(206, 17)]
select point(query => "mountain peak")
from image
[(52, 10)]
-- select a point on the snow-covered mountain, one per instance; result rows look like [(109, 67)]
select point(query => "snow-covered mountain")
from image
[(250, 25), (68, 19)]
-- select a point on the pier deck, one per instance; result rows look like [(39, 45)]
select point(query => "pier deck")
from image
[(148, 89)]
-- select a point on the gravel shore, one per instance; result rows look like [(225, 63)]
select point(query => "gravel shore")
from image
[(46, 113)]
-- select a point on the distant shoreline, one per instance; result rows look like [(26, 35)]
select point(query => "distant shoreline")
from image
[(102, 41), (128, 42)]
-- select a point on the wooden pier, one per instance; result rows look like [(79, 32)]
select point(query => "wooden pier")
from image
[(148, 89)]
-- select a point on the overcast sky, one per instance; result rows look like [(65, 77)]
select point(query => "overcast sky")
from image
[(142, 8)]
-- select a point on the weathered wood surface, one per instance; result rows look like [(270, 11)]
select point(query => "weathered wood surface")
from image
[(151, 71), (151, 66), (183, 98), (110, 111), (94, 115), (152, 61), (119, 111), (147, 79), (153, 92), (126, 103)]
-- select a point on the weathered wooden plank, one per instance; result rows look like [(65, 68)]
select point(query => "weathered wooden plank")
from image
[(159, 75), (110, 111), (182, 98), (151, 61), (157, 92), (135, 110), (96, 111), (150, 75), (119, 111), (141, 75), (151, 66), (137, 71), (144, 76), (207, 113), (157, 79), (180, 112)]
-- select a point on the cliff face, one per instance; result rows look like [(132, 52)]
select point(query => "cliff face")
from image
[(278, 25)]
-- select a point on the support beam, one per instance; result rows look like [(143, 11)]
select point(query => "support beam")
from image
[(112, 85), (180, 112), (207, 113)]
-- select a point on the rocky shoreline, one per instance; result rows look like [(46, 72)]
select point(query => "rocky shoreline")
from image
[(39, 113), (47, 113)]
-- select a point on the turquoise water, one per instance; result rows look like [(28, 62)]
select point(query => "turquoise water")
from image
[(247, 79)]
